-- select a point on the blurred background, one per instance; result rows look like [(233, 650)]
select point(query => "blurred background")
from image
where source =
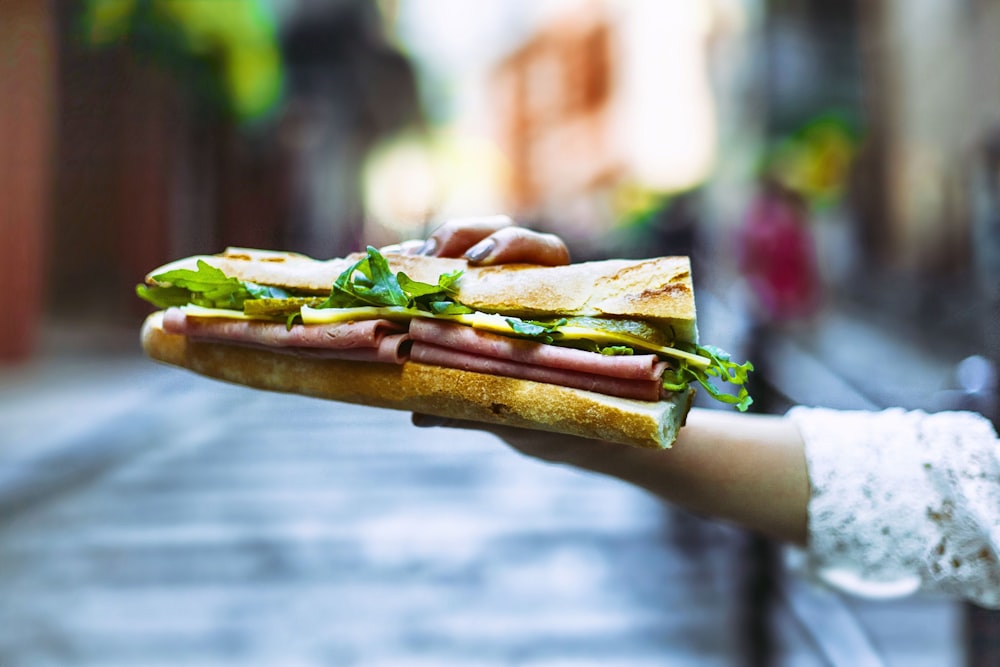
[(832, 168)]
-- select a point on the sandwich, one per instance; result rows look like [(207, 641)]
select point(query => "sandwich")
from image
[(603, 349)]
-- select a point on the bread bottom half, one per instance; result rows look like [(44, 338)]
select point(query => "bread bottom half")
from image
[(432, 390)]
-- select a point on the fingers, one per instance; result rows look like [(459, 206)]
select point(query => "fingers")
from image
[(455, 237), (517, 244), (495, 240)]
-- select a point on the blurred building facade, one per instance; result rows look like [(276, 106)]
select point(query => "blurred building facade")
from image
[(142, 161), (605, 113), (602, 105)]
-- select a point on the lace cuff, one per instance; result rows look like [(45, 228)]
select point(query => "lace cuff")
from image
[(903, 502)]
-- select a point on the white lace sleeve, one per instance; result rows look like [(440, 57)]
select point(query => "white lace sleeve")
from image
[(903, 501)]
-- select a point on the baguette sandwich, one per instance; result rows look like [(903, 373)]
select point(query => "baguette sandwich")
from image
[(604, 349)]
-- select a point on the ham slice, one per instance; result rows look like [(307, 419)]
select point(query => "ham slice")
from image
[(484, 343), (392, 349), (368, 340), (435, 355), (342, 335)]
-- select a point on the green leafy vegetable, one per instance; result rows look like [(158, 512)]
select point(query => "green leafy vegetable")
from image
[(206, 286), (370, 282), (617, 350), (367, 282), (448, 308), (163, 296), (722, 367), (543, 332)]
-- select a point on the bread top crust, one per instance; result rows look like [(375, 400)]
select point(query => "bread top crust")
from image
[(657, 289)]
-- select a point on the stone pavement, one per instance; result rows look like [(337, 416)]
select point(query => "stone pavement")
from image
[(151, 517)]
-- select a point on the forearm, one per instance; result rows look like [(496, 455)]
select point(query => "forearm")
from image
[(749, 469)]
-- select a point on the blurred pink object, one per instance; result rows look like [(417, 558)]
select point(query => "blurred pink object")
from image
[(777, 256)]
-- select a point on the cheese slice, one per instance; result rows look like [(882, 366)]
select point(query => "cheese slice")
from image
[(222, 313), (333, 315)]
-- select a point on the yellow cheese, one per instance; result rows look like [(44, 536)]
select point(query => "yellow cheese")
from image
[(333, 315), (484, 321), (614, 338), (200, 311)]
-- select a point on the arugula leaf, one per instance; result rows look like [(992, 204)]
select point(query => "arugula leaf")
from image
[(446, 284), (448, 308), (385, 286), (438, 299), (370, 282), (163, 296), (375, 286), (544, 332), (721, 367), (265, 292), (205, 286)]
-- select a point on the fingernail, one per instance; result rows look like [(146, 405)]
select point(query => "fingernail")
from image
[(429, 247), (427, 421), (481, 250)]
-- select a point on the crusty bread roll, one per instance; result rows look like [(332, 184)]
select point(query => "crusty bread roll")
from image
[(658, 291), (444, 392)]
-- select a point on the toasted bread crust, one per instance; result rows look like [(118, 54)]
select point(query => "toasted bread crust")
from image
[(658, 290), (444, 392)]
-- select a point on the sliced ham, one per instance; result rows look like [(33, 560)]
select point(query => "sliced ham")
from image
[(369, 340), (435, 355), (393, 349), (483, 343), (342, 335)]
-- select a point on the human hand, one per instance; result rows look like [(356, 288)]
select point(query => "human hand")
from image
[(494, 240)]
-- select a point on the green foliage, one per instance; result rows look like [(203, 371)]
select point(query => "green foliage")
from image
[(226, 50)]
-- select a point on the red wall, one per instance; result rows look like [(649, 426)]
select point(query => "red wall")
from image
[(26, 108)]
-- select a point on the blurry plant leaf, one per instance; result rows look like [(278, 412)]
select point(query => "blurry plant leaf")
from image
[(235, 42)]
